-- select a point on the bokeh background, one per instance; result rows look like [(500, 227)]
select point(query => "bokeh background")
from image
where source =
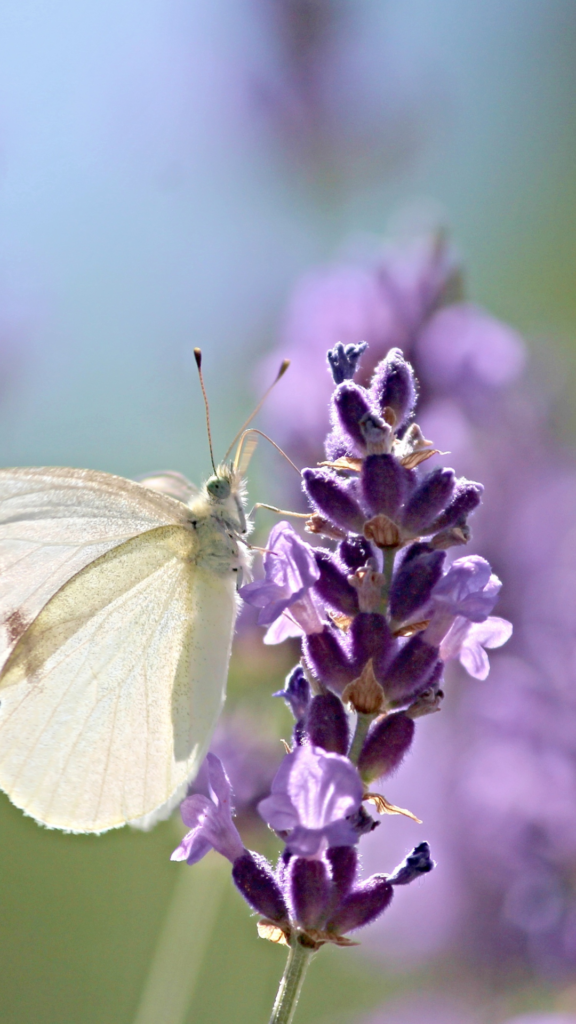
[(178, 173)]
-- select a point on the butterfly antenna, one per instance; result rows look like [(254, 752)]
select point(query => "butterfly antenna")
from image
[(284, 366), (254, 430), (198, 358)]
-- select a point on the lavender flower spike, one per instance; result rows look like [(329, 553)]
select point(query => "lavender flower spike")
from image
[(313, 795), (210, 819)]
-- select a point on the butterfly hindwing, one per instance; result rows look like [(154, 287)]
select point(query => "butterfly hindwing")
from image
[(109, 698)]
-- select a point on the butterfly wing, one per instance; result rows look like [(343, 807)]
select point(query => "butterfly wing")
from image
[(109, 698), (168, 482), (54, 522), (115, 653)]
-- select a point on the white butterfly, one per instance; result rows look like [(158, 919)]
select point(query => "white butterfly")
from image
[(117, 608)]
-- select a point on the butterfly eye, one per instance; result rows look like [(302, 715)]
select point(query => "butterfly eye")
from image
[(217, 487)]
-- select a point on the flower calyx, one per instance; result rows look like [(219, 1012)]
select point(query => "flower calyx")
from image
[(365, 694), (312, 938)]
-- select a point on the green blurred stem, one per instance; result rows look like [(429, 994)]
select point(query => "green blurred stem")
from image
[(299, 959)]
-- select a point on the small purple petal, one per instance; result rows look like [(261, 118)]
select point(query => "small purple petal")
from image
[(282, 629), (192, 848), (493, 632), (466, 640), (468, 588), (312, 794), (209, 818), (219, 782), (290, 570)]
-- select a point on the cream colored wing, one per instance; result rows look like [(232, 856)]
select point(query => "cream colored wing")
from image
[(53, 522), (169, 482), (109, 699)]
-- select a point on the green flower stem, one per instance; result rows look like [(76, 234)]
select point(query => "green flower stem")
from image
[(299, 959), (363, 723)]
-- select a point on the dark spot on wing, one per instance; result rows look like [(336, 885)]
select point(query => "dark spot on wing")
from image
[(15, 625)]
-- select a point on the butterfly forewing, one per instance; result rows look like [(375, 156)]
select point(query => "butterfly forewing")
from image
[(54, 522)]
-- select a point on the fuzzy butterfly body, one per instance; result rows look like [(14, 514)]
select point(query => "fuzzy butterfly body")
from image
[(117, 609)]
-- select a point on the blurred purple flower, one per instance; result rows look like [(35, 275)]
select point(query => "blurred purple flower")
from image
[(466, 640), (209, 819), (313, 795), (250, 757)]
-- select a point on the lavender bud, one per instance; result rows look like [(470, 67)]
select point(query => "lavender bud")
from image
[(410, 671), (466, 499), (343, 360), (332, 585), (253, 877), (328, 659), (362, 905), (296, 692), (393, 386), (332, 499), (327, 724), (385, 484), (377, 435), (413, 581), (354, 552), (429, 498), (336, 445), (417, 863), (370, 637), (351, 407), (344, 863), (385, 746), (308, 887)]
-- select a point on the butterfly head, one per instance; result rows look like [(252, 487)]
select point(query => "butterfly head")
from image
[(225, 491)]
